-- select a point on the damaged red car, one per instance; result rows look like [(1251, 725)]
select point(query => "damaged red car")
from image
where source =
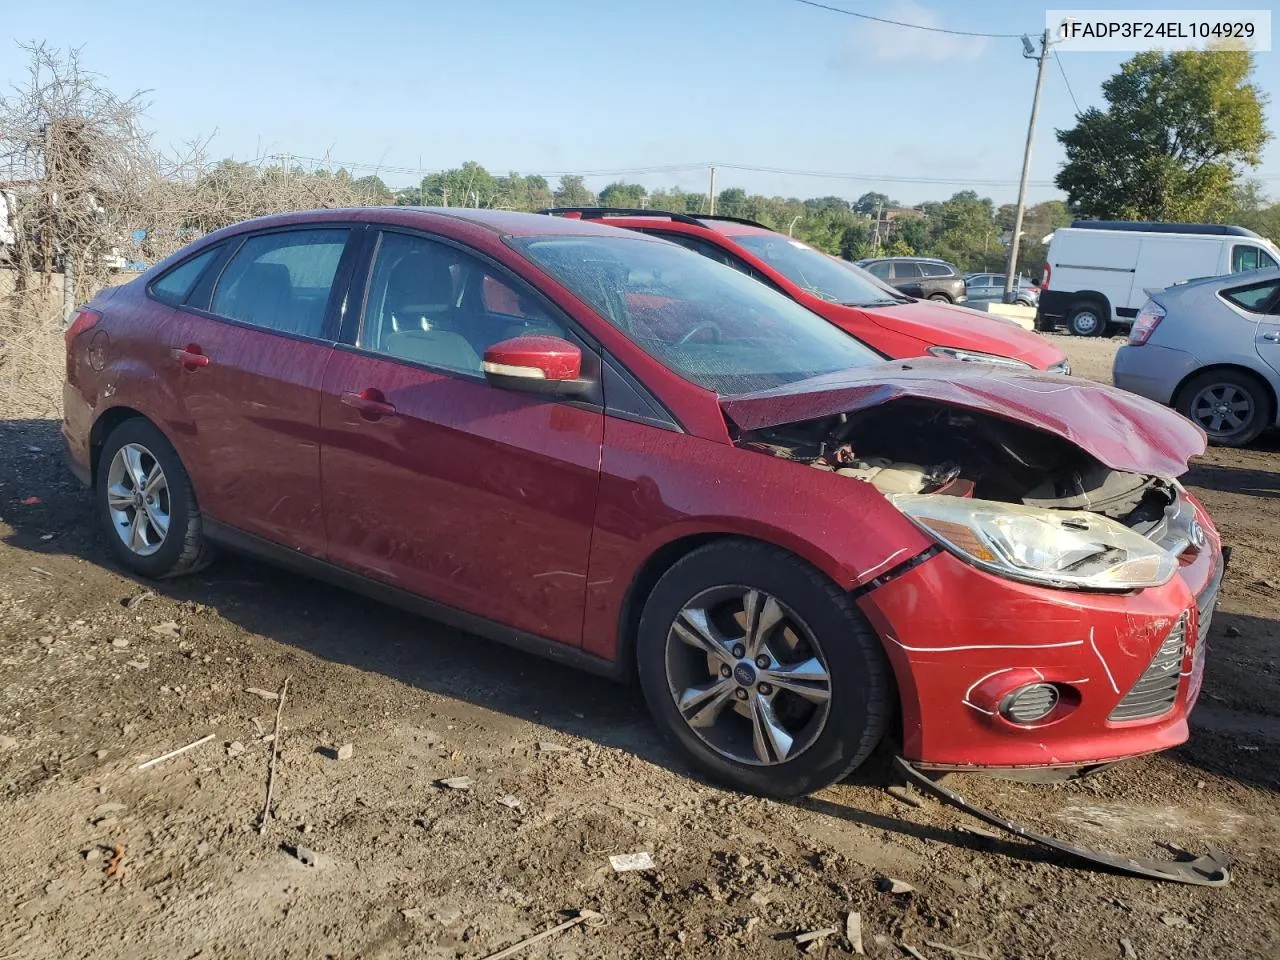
[(612, 451)]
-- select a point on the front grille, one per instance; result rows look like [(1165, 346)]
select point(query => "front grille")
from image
[(1157, 688)]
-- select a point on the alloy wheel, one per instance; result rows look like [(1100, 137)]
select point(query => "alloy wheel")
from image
[(1222, 408), (747, 675), (138, 499)]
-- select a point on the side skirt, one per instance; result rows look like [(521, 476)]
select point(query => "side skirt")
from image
[(240, 542)]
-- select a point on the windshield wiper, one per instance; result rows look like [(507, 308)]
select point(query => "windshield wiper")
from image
[(878, 303)]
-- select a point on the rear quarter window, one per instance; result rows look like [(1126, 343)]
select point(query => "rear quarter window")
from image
[(1256, 298), (172, 286)]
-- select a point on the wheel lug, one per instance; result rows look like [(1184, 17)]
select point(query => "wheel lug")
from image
[(762, 662), (739, 651), (764, 689), (725, 671), (740, 693)]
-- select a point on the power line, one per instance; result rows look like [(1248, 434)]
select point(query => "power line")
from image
[(885, 178), (1063, 70), (910, 26)]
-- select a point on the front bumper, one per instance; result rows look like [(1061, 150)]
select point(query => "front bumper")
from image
[(960, 640)]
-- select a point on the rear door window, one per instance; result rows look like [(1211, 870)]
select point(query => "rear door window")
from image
[(282, 281), (906, 270), (1256, 298)]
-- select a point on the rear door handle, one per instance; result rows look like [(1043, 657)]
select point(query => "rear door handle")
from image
[(1274, 337), (190, 356), (370, 403)]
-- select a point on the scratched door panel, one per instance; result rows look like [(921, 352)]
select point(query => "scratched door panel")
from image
[(476, 497)]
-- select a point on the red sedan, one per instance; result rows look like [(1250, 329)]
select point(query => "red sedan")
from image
[(894, 324), (612, 451)]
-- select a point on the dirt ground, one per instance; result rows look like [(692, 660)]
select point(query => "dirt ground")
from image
[(565, 771)]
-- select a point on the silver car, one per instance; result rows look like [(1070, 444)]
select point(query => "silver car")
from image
[(989, 288), (1210, 348)]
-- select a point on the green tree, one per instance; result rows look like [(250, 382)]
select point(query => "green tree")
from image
[(732, 202), (373, 190), (573, 193), (621, 194), (1168, 147), (868, 203)]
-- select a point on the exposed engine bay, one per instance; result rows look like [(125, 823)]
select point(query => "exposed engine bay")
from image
[(918, 446)]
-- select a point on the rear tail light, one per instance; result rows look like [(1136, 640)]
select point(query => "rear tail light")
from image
[(1145, 323), (85, 320), (1044, 284)]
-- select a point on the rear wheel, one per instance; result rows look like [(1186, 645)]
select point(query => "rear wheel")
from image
[(1231, 406), (145, 503), (762, 670), (939, 297), (1087, 319)]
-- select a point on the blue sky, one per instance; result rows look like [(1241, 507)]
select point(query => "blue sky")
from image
[(576, 85)]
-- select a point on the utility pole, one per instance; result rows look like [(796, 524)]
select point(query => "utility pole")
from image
[(875, 242), (1010, 276), (792, 226), (711, 194)]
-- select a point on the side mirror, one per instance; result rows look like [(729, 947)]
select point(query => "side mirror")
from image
[(536, 364)]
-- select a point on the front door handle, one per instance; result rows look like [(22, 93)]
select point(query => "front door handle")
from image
[(1274, 336), (191, 356), (370, 403)]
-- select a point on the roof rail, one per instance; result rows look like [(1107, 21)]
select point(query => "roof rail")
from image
[(1145, 226), (743, 220), (594, 213)]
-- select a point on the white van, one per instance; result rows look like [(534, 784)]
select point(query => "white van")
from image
[(1098, 271)]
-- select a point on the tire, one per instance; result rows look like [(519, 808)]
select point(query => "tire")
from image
[(1202, 399), (939, 298), (181, 547), (1087, 319), (819, 626)]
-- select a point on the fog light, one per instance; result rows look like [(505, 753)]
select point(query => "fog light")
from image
[(1028, 704)]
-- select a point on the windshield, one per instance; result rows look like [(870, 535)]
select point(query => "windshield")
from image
[(816, 273), (707, 322)]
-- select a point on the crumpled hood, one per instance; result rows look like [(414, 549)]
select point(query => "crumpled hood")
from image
[(952, 326), (1121, 430)]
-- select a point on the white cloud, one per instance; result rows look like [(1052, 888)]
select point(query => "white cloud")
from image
[(888, 43)]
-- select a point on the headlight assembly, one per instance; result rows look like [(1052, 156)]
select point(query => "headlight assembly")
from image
[(1056, 548), (972, 356)]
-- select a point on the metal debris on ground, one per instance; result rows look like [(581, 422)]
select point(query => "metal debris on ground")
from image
[(956, 951), (1211, 870), (510, 801), (588, 917), (893, 885), (113, 869), (456, 783), (853, 932), (812, 935), (623, 862), (906, 796), (138, 599), (271, 768), (173, 753), (42, 571)]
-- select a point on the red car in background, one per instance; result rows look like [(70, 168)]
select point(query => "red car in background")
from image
[(892, 323), (614, 452)]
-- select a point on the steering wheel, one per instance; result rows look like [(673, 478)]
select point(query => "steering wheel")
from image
[(696, 329)]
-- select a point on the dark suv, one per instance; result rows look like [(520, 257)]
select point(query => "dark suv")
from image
[(921, 277)]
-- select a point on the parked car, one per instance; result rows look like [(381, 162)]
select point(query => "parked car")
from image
[(611, 451), (989, 288), (1098, 271), (882, 317), (1210, 348), (922, 277)]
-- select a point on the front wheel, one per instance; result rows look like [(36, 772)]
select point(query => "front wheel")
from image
[(145, 503), (762, 670)]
